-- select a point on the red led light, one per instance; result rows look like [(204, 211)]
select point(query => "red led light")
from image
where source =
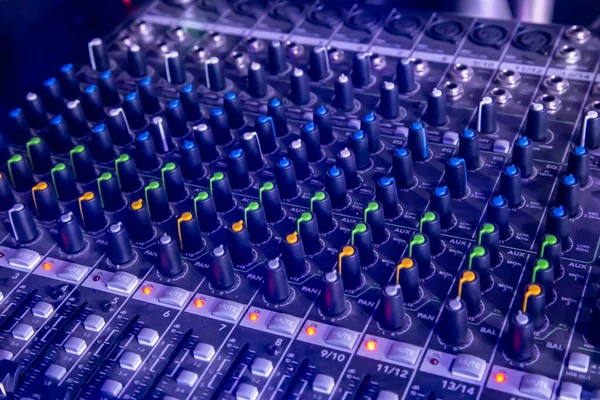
[(147, 290), (48, 266), (311, 331), (434, 361), (254, 316), (199, 303)]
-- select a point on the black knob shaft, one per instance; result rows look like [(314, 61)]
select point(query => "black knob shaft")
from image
[(170, 261), (119, 244), (22, 224), (319, 63), (454, 327), (392, 307), (537, 123), (221, 275), (520, 338), (405, 76), (70, 235), (361, 70), (593, 332), (486, 116), (523, 156), (436, 108), (276, 284), (333, 298)]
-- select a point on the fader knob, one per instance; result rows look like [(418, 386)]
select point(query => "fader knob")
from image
[(170, 263)]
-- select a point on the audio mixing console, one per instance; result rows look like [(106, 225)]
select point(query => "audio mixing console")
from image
[(297, 200)]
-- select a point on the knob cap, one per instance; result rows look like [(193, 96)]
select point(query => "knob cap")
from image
[(170, 262)]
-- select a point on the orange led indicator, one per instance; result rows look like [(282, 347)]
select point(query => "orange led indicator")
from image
[(500, 377), (147, 290), (311, 331), (199, 303), (48, 266), (254, 316), (371, 345)]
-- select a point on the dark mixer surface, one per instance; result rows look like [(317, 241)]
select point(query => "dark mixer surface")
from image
[(295, 200)]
